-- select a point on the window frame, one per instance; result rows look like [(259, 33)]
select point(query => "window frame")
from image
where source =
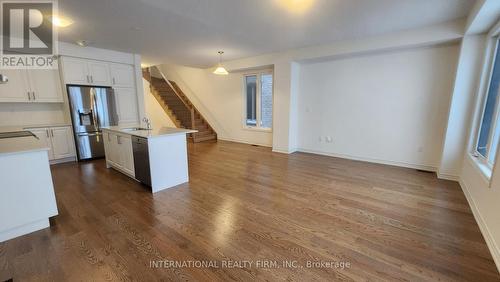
[(258, 95), (494, 45), (485, 165)]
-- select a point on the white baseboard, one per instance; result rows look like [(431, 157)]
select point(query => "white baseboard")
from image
[(119, 169), (281, 151), (446, 176), (243, 141), (65, 160), (370, 160), (490, 241)]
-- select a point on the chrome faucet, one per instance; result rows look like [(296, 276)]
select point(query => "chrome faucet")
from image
[(148, 122)]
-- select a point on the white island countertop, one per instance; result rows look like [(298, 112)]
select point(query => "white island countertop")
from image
[(27, 193), (21, 145), (155, 132)]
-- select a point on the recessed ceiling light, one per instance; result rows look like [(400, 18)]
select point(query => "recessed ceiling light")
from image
[(60, 21), (296, 6), (82, 43)]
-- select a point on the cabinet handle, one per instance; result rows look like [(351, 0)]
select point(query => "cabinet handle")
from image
[(88, 78), (52, 132), (34, 97), (47, 132), (29, 96), (114, 82), (91, 79)]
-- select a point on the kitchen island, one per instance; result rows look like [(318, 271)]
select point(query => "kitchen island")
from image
[(155, 157), (27, 198)]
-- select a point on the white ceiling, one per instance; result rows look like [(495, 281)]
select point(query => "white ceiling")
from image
[(190, 32)]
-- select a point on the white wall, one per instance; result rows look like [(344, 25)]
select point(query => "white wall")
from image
[(483, 198), (23, 114), (461, 106), (283, 63), (483, 194), (220, 100), (389, 107), (205, 88)]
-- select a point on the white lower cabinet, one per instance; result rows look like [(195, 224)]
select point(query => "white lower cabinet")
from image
[(62, 142), (44, 135), (58, 139), (119, 152)]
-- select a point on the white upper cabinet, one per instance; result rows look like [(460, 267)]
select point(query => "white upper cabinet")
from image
[(75, 70), (40, 86), (17, 88), (126, 105), (99, 73), (45, 86), (85, 72), (122, 75)]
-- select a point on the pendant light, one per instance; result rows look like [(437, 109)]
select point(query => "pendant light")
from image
[(220, 70)]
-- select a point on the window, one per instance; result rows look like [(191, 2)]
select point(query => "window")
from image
[(259, 100), (489, 130)]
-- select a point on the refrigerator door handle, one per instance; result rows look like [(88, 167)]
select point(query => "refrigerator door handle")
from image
[(89, 134), (95, 115)]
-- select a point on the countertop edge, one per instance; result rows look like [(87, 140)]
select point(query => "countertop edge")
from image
[(131, 133), (32, 150)]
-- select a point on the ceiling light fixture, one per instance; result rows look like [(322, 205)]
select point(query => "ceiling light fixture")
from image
[(82, 43), (61, 21), (220, 70)]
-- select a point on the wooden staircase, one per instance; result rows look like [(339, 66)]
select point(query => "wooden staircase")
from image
[(178, 107)]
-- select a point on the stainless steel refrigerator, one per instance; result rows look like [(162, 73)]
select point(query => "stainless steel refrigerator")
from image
[(92, 108)]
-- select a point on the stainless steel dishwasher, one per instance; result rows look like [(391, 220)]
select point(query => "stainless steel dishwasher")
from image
[(141, 160)]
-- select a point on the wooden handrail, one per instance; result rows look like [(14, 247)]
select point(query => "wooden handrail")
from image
[(199, 113)]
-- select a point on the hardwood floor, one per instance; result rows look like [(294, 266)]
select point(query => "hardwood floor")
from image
[(244, 203)]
